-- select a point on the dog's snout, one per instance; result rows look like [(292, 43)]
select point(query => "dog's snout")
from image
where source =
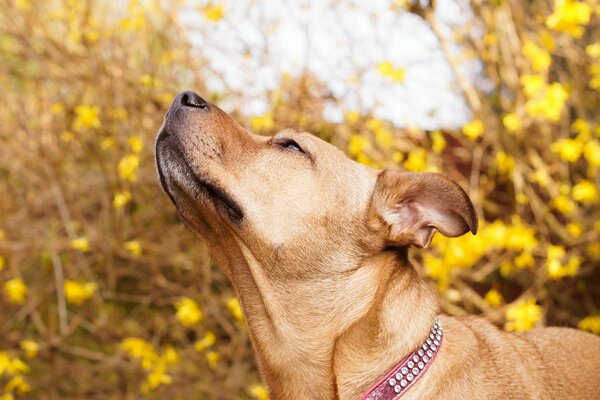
[(191, 99)]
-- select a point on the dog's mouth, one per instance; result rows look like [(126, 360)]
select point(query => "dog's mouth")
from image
[(178, 178)]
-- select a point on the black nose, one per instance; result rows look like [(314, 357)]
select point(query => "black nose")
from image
[(191, 99)]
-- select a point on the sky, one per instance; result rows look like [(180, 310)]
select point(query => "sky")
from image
[(341, 43)]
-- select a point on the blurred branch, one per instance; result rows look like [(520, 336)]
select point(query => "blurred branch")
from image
[(467, 89), (60, 294)]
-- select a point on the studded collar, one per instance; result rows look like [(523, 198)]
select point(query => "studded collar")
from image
[(397, 381)]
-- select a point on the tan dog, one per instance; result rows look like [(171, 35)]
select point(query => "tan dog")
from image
[(315, 246)]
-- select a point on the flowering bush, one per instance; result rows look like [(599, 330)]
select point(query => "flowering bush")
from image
[(100, 283)]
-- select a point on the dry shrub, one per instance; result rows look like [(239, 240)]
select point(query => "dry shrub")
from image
[(106, 295)]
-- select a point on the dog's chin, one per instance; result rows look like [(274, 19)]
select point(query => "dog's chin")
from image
[(187, 188)]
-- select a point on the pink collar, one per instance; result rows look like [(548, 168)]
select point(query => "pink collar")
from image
[(397, 382)]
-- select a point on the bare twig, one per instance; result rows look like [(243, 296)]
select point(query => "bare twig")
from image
[(61, 303)]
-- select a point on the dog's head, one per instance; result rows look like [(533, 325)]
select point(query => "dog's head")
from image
[(292, 205)]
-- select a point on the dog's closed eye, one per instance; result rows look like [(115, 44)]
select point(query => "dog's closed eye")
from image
[(289, 144)]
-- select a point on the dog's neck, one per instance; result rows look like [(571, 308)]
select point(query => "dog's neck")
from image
[(334, 338), (397, 322)]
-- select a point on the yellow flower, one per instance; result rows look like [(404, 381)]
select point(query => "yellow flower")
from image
[(591, 323), (569, 16), (384, 138), (235, 309), (136, 17), (557, 270), (57, 108), (86, 117), (17, 383), (582, 127), (136, 143), (263, 122), (518, 237), (540, 58), (155, 378), (547, 40), (524, 260), (213, 12), (118, 113), (574, 229), (532, 85), (522, 315), (151, 361), (16, 290), (593, 50), (512, 122), (121, 199), (563, 204), (374, 124), (594, 83), (397, 157), (78, 292), (12, 365), (593, 250), (591, 152), (490, 38), (555, 252), (505, 163), (259, 392), (212, 357), (352, 117), (5, 363), (399, 4), (146, 80), (416, 160), (188, 311), (81, 244), (134, 247), (30, 347), (585, 192), (506, 269), (473, 129), (137, 348), (554, 266), (23, 5), (107, 143), (357, 144), (438, 270), (2, 263), (208, 340), (170, 356), (569, 149), (522, 199), (540, 177), (364, 159), (493, 298), (387, 69), (438, 143), (67, 136), (136, 21), (549, 103), (128, 167)]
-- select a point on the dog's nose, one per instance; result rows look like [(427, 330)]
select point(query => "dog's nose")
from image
[(191, 99)]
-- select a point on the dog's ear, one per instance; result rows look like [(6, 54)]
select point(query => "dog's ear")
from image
[(409, 208)]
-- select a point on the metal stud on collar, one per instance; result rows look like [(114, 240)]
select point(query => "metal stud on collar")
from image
[(405, 374)]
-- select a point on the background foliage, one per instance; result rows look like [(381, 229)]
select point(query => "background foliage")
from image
[(106, 295)]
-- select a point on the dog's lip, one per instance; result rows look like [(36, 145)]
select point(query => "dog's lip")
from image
[(197, 185), (162, 135)]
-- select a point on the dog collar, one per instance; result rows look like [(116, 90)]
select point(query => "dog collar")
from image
[(397, 382)]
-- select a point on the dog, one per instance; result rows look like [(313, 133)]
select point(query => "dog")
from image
[(316, 248)]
